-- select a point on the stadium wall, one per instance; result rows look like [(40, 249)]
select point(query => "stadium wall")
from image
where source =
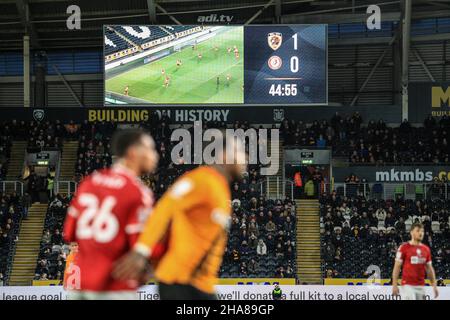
[(396, 174), (185, 114), (349, 66), (236, 292)]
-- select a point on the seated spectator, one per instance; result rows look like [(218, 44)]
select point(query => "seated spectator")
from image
[(261, 248), (389, 221), (46, 238), (337, 255), (235, 255), (43, 277), (252, 241), (280, 273), (355, 231), (57, 237), (289, 273), (400, 226), (253, 267), (330, 273), (346, 230), (289, 253), (279, 251), (380, 214), (270, 227), (243, 269), (270, 243)]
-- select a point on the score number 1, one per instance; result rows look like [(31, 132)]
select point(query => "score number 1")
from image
[(294, 59)]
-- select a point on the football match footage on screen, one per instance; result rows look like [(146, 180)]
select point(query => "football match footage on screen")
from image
[(207, 65)]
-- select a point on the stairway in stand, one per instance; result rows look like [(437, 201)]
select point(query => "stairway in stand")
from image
[(308, 242), (68, 161), (27, 247), (16, 161)]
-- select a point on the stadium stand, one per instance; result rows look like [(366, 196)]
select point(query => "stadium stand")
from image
[(115, 43), (374, 143), (262, 237), (177, 29), (53, 251), (11, 213), (141, 34), (5, 149), (263, 231), (359, 232), (357, 229)]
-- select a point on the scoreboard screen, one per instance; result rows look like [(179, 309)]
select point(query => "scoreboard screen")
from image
[(216, 65)]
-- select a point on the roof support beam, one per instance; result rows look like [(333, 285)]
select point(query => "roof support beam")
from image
[(151, 11), (24, 13), (278, 4), (439, 4), (406, 41), (26, 72), (63, 79), (372, 72), (257, 14), (423, 64), (170, 16)]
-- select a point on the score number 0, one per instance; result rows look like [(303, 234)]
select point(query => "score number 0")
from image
[(287, 89)]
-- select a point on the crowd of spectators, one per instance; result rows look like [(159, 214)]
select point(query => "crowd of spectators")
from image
[(94, 147), (38, 134), (358, 232), (5, 148), (262, 238), (53, 251), (11, 213), (94, 152), (374, 142)]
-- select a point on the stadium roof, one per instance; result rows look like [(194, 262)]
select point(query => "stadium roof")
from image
[(45, 20)]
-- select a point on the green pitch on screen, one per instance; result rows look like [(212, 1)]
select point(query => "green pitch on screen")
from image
[(196, 80)]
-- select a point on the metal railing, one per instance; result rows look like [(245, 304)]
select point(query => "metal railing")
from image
[(390, 190), (66, 186), (277, 187), (18, 186), (289, 188)]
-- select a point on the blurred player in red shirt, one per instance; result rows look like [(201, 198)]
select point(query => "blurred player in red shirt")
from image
[(106, 216), (415, 257)]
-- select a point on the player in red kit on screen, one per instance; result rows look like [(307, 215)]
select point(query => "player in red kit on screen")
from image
[(106, 215), (415, 257)]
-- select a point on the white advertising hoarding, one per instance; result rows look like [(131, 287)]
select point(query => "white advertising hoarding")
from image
[(239, 292)]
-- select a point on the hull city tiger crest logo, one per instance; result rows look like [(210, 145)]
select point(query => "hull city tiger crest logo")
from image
[(278, 114), (274, 39), (38, 114)]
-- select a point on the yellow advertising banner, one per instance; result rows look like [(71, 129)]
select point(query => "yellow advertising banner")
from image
[(362, 281), (222, 281)]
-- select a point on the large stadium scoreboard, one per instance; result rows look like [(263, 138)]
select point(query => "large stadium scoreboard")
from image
[(222, 65)]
